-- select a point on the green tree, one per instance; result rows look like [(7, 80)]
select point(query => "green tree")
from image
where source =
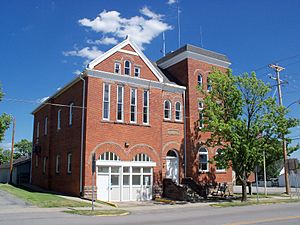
[(22, 148), (4, 156), (245, 121), (4, 119)]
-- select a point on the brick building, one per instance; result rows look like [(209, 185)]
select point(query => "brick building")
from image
[(129, 112)]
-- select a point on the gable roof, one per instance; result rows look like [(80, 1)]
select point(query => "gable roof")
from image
[(127, 41)]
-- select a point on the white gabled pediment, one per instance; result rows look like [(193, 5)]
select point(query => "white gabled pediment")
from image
[(118, 48)]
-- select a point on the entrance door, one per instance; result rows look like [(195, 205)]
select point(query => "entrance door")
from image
[(172, 166), (103, 187)]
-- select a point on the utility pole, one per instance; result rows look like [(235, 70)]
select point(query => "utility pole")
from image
[(278, 69), (12, 151)]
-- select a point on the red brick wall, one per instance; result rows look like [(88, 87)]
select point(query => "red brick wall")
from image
[(107, 65), (186, 73), (111, 136), (60, 142)]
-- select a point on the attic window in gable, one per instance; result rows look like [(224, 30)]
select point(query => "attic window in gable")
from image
[(117, 67), (137, 71), (127, 66)]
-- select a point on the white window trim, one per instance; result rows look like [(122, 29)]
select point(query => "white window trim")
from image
[(46, 126), (108, 102), (203, 153), (148, 105), (200, 109), (57, 164), (139, 71), (122, 109), (69, 163), (127, 67), (170, 110), (71, 114), (135, 104), (59, 119), (115, 66), (180, 112), (219, 170)]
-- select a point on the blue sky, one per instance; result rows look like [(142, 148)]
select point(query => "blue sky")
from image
[(45, 43)]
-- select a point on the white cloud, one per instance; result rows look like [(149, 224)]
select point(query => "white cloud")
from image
[(41, 100), (89, 53), (77, 72), (142, 30), (104, 41), (170, 2)]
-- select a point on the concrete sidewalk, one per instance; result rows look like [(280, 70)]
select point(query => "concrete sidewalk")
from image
[(270, 190)]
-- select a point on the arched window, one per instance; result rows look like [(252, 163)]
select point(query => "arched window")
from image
[(71, 113), (203, 159), (200, 79), (219, 168), (127, 66), (141, 157), (109, 156), (167, 110), (178, 113), (209, 85)]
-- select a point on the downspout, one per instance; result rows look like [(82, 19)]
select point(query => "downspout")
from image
[(184, 122), (82, 132)]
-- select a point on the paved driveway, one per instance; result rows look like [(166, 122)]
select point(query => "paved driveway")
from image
[(8, 201)]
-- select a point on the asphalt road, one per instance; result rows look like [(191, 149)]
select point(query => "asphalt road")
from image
[(16, 212)]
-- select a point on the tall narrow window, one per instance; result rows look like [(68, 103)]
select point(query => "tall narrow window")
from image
[(137, 71), (201, 117), (167, 110), (219, 168), (57, 165), (203, 159), (127, 66), (71, 114), (209, 85), (200, 80), (58, 119), (46, 126), (44, 164), (133, 104), (117, 68), (69, 168), (120, 103), (38, 130), (106, 101), (178, 113), (146, 107)]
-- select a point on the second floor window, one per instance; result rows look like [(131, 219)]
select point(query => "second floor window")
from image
[(127, 66), (200, 80), (209, 85), (133, 104), (146, 107), (167, 110), (178, 111), (46, 126), (71, 114), (137, 71), (58, 119), (120, 103), (201, 116), (106, 101), (117, 68), (38, 130)]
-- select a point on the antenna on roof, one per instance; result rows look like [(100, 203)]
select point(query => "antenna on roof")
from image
[(178, 23), (201, 41), (163, 50)]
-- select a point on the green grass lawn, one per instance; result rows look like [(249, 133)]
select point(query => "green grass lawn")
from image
[(112, 212), (43, 200)]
